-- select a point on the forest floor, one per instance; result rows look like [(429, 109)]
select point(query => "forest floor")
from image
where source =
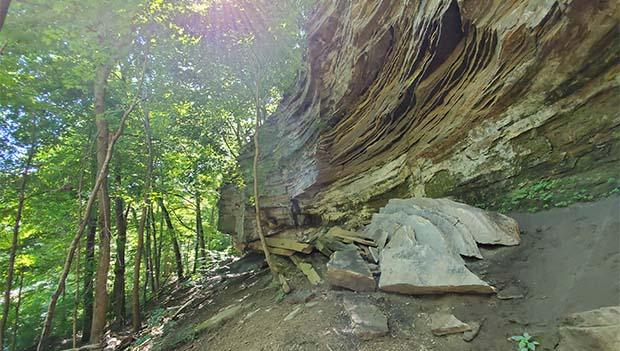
[(568, 261)]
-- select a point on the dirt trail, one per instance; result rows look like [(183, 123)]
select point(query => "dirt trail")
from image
[(568, 261)]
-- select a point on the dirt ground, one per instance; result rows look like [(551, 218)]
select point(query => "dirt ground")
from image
[(568, 261)]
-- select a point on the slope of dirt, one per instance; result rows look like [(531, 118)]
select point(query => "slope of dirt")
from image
[(568, 261)]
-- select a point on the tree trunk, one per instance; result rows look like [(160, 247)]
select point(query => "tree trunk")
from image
[(200, 231), (175, 243), (49, 317), (154, 255), (13, 251), (135, 303), (259, 228), (89, 273), (148, 259), (76, 300), (4, 10), (100, 304), (118, 292), (211, 225), (17, 306)]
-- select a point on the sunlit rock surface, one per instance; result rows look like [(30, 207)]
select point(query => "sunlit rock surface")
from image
[(466, 98)]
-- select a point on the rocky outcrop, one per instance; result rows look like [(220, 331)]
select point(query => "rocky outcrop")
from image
[(591, 330), (470, 98)]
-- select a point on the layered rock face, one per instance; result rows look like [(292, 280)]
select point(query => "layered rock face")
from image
[(468, 98)]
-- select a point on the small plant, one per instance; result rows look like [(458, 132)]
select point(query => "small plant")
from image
[(526, 342)]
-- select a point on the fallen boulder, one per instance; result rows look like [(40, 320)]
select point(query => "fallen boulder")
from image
[(486, 227), (451, 228), (347, 269), (408, 267)]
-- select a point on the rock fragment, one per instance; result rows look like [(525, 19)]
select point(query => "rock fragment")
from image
[(293, 314), (510, 293), (471, 335), (411, 268), (443, 323), (368, 321), (347, 269), (299, 296)]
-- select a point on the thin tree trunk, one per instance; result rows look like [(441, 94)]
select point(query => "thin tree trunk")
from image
[(200, 231), (89, 273), (160, 244), (135, 303), (148, 260), (259, 227), (13, 251), (175, 243), (17, 306), (4, 10), (196, 257), (76, 300), (118, 292), (100, 304), (76, 297), (154, 255), (211, 225), (49, 317)]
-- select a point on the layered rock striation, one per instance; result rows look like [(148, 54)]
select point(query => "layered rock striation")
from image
[(467, 98)]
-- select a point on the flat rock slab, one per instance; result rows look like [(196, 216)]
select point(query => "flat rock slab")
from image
[(457, 234), (592, 330), (347, 269), (411, 268), (444, 323), (486, 227), (367, 320)]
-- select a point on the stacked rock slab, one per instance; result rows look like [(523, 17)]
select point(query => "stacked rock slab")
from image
[(421, 242), (347, 269)]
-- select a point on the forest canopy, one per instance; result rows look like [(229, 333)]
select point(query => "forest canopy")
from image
[(119, 121)]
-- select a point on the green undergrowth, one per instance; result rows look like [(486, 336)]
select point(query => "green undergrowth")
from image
[(175, 337), (548, 193)]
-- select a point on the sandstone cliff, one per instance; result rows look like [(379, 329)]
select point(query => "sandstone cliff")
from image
[(492, 102)]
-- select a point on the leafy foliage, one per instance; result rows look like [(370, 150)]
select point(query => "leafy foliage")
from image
[(525, 342), (203, 58)]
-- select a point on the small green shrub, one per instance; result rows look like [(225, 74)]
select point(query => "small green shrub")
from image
[(525, 342)]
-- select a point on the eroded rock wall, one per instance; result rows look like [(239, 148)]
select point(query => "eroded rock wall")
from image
[(471, 98)]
